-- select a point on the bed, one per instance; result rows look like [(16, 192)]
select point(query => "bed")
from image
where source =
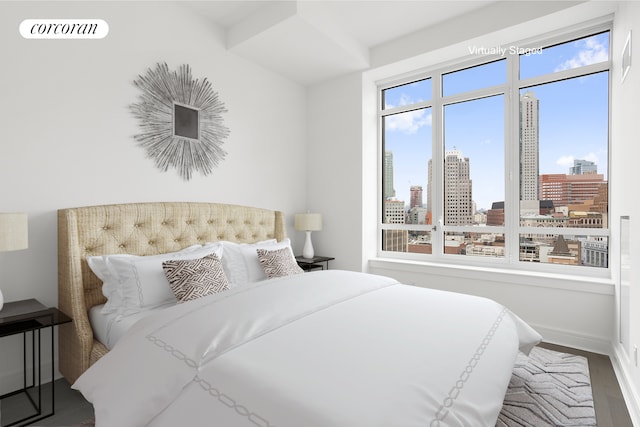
[(326, 348), (140, 229)]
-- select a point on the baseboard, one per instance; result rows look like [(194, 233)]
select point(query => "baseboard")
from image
[(573, 339), (629, 392)]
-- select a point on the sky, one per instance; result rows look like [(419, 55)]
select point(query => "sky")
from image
[(573, 118)]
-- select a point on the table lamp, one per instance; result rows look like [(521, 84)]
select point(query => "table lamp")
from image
[(14, 235), (308, 222)]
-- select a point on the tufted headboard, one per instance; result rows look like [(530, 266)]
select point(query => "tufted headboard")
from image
[(137, 229)]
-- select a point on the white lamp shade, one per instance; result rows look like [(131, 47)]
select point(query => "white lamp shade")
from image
[(308, 222), (14, 231)]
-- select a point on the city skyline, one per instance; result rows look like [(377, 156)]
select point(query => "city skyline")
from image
[(580, 167), (573, 123)]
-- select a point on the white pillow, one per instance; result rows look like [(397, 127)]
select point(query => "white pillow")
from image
[(235, 268), (111, 282), (240, 261), (132, 283), (98, 265)]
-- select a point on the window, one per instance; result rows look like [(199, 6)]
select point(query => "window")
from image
[(502, 159)]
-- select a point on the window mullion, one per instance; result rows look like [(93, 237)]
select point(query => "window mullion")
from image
[(512, 159), (561, 75), (437, 165)]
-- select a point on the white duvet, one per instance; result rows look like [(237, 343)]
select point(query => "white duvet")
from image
[(324, 349)]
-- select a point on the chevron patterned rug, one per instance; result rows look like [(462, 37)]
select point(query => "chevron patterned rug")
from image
[(549, 388)]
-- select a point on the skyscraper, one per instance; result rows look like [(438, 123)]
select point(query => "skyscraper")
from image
[(529, 142), (417, 213), (387, 179), (458, 203), (394, 212), (583, 167), (416, 196)]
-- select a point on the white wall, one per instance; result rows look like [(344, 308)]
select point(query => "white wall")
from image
[(67, 131), (624, 171), (335, 169), (564, 310)]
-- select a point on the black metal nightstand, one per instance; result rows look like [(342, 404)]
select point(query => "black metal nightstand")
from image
[(308, 264), (21, 317)]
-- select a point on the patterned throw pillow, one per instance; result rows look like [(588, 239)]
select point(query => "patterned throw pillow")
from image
[(195, 278), (278, 262)]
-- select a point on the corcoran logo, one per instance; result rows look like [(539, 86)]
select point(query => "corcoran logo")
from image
[(64, 28)]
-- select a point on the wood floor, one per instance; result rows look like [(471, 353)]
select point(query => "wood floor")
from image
[(611, 410)]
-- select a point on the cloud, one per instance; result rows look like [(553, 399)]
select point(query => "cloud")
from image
[(409, 122), (592, 157), (404, 100), (591, 51), (567, 161)]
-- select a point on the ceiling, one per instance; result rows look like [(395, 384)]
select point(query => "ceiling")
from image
[(310, 41)]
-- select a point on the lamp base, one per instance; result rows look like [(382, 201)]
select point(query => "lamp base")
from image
[(307, 251)]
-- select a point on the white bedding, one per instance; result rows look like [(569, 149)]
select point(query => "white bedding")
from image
[(108, 328), (323, 349)]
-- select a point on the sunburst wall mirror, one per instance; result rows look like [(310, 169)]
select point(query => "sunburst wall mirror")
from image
[(180, 120)]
